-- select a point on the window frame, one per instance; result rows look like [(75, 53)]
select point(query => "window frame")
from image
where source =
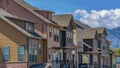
[(56, 34), (3, 55), (23, 55), (29, 26), (50, 31), (33, 47)]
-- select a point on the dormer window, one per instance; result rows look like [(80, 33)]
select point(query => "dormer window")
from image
[(29, 26)]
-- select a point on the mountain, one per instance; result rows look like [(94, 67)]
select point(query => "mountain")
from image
[(114, 37)]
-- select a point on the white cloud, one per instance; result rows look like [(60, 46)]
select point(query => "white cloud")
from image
[(103, 18)]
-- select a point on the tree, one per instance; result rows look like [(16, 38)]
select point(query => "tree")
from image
[(117, 51)]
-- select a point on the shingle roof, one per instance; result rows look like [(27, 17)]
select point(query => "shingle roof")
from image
[(31, 9), (3, 15), (99, 29), (108, 41), (35, 8), (81, 24), (89, 33), (62, 19), (35, 34)]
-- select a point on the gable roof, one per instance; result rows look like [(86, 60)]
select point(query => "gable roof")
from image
[(100, 30), (62, 19), (4, 14), (31, 9), (81, 24), (35, 8), (89, 34), (86, 34)]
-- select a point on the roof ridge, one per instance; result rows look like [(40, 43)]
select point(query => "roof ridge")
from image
[(61, 14)]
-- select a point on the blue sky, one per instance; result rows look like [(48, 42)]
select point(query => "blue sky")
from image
[(102, 10)]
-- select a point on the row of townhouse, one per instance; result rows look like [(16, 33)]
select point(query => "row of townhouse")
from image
[(29, 36)]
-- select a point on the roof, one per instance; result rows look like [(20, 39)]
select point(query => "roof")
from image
[(62, 19), (112, 51), (99, 30), (88, 34), (35, 8), (35, 34), (31, 9), (3, 15), (81, 24), (108, 41)]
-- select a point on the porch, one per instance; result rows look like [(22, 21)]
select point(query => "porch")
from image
[(64, 57)]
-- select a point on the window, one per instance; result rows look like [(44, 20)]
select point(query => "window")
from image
[(103, 48), (117, 59), (29, 26), (50, 31), (56, 38), (5, 52), (21, 53), (69, 39), (33, 50), (79, 43), (56, 35), (40, 46), (49, 56)]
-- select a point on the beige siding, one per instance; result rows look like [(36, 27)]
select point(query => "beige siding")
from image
[(11, 37), (50, 40)]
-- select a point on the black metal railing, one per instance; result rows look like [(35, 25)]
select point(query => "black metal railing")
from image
[(86, 65)]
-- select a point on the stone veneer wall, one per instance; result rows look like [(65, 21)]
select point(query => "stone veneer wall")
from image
[(13, 64)]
